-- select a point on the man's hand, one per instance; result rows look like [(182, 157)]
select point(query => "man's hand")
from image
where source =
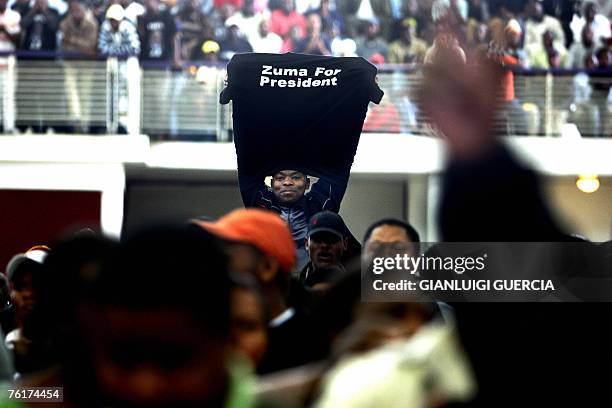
[(461, 102)]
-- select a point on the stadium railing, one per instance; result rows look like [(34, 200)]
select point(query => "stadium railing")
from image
[(66, 93)]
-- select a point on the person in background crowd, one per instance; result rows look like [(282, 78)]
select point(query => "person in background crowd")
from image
[(24, 272), (315, 42), (370, 42), (407, 49), (286, 19), (329, 17), (118, 37), (190, 23), (233, 44), (449, 18), (248, 20), (157, 30), (600, 25), (387, 238), (326, 242), (79, 34), (295, 35), (98, 8), (579, 50), (340, 46), (479, 41), (265, 41), (512, 56), (218, 17), (10, 28), (548, 54), (538, 23), (39, 25), (259, 244), (391, 232), (603, 58), (79, 31), (208, 49), (249, 322)]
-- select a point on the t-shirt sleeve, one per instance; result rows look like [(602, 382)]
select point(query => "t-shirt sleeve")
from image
[(226, 93), (376, 93)]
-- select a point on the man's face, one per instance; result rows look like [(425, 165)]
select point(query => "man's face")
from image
[(23, 294), (388, 240), (325, 249), (314, 23), (590, 10), (77, 12), (114, 24), (248, 324), (289, 186), (372, 30), (152, 5), (263, 28), (538, 12)]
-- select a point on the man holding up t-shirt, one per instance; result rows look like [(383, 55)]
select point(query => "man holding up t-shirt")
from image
[(297, 115)]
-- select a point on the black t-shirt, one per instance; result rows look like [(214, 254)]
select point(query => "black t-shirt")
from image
[(157, 31), (39, 30), (301, 112)]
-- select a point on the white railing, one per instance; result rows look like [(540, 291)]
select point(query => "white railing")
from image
[(113, 96)]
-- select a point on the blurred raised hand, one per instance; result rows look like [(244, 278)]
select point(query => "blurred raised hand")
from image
[(461, 101)]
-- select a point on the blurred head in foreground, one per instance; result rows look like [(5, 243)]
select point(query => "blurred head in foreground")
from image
[(158, 325)]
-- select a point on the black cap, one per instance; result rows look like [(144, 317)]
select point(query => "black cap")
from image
[(327, 221)]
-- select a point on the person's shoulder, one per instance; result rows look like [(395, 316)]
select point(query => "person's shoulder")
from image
[(395, 44), (65, 24), (418, 43), (91, 20)]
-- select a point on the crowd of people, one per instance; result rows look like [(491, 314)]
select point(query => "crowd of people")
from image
[(524, 34), (537, 34)]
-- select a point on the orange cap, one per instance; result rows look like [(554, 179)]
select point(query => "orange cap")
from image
[(263, 229)]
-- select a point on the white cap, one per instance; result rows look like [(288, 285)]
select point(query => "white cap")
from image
[(115, 12)]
